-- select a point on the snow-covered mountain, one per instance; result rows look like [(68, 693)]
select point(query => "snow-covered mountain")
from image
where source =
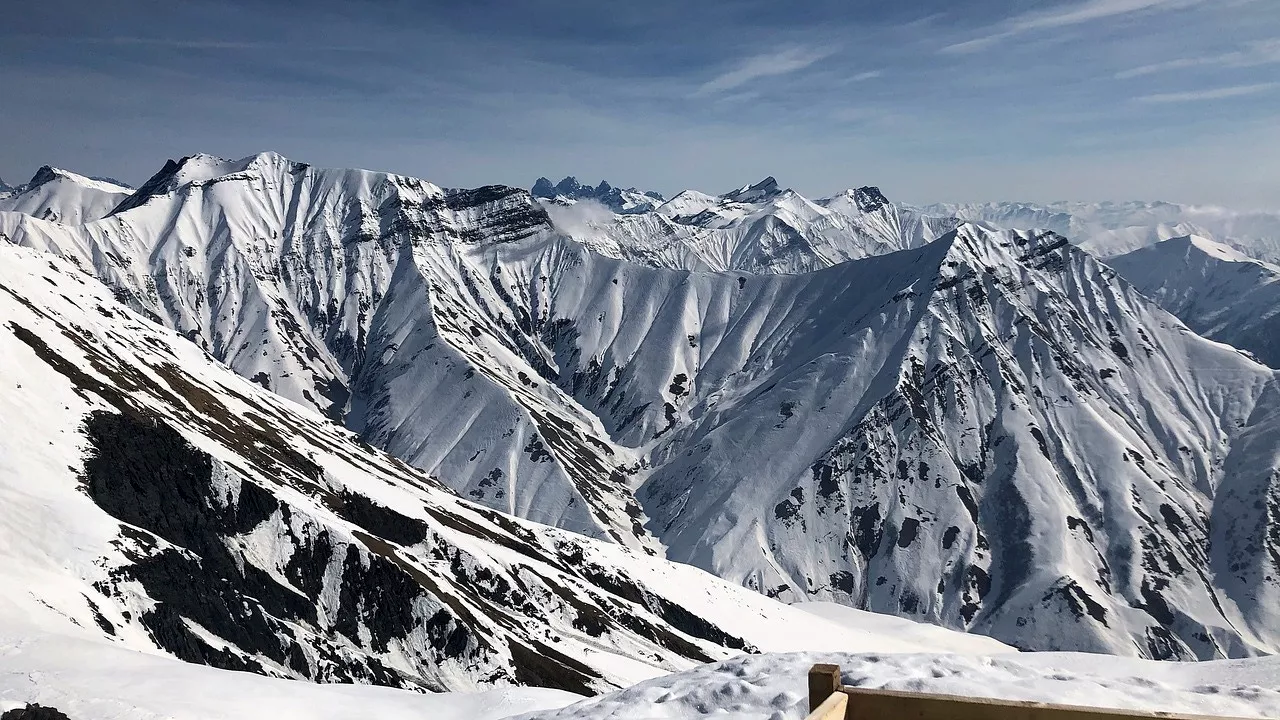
[(1217, 291), (63, 196), (1115, 228), (619, 200), (990, 431), (156, 502), (758, 228)]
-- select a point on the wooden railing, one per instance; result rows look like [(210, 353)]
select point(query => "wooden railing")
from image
[(829, 700)]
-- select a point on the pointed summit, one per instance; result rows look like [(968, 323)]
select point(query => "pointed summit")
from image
[(869, 198), (761, 191), (626, 201), (542, 188)]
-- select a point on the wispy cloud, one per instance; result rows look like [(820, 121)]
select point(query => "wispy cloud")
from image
[(1081, 12), (1258, 53), (868, 75), (781, 62), (178, 43), (1209, 94)]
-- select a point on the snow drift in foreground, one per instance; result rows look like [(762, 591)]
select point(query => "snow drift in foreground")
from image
[(89, 680), (773, 687)]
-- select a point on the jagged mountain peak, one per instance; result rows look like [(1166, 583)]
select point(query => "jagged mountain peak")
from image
[(865, 199), (620, 200), (758, 192), (49, 173), (63, 196)]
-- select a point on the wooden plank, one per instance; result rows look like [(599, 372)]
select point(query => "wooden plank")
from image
[(867, 704), (824, 681), (835, 707)]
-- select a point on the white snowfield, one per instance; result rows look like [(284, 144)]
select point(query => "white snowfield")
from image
[(94, 680), (774, 687)]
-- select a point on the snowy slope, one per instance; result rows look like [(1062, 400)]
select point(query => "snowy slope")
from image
[(989, 432), (103, 681), (155, 502), (62, 196), (774, 686), (1217, 291), (1110, 229), (348, 291)]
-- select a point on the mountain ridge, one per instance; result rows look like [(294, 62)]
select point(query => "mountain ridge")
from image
[(203, 517), (876, 431), (1217, 290)]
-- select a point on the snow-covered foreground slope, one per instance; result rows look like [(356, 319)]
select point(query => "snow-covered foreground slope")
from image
[(62, 196), (773, 687), (1217, 291), (155, 501), (990, 431), (90, 680), (1110, 229)]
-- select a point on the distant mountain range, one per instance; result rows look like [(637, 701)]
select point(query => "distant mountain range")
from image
[(621, 200), (63, 196)]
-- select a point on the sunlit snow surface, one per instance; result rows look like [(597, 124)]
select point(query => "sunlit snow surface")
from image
[(773, 687), (90, 680)]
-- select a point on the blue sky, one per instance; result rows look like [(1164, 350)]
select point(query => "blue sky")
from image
[(933, 100)]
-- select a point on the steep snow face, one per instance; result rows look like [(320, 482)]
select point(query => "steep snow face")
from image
[(349, 291), (620, 200), (1216, 290), (991, 432), (1110, 229), (62, 196), (759, 228), (158, 502)]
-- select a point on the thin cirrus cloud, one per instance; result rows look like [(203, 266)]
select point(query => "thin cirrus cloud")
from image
[(1083, 12), (1266, 52), (1210, 94), (757, 67)]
